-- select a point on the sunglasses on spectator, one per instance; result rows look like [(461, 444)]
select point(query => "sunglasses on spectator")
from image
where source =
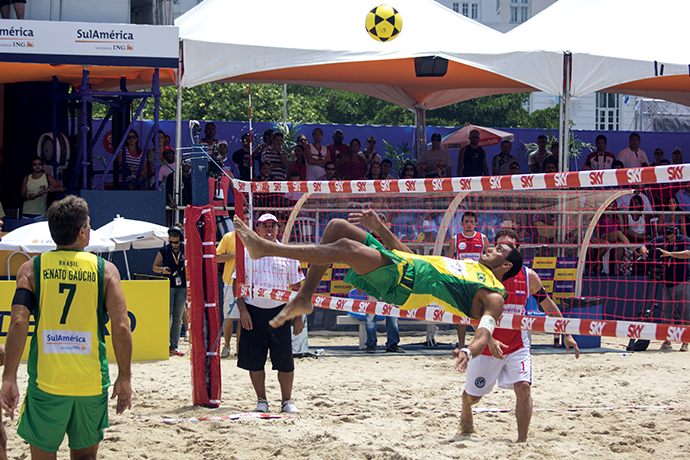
[(330, 169), (515, 168), (36, 164), (174, 242), (132, 137), (440, 166), (371, 142)]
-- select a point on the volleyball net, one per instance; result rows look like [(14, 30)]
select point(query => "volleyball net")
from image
[(582, 232)]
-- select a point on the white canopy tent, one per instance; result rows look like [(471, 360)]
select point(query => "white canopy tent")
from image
[(617, 46), (613, 46), (325, 44)]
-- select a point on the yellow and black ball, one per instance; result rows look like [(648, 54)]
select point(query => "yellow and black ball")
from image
[(384, 23)]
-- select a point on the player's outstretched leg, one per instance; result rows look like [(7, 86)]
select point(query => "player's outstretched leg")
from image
[(341, 242)]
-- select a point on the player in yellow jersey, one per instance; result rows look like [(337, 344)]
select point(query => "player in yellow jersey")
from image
[(397, 276), (69, 292)]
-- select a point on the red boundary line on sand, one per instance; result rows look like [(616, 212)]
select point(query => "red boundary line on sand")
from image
[(215, 417), (622, 329)]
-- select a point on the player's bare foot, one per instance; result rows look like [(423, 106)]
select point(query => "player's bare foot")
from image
[(466, 428), (254, 243), (296, 307)]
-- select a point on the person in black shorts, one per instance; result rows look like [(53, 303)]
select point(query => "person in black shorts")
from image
[(258, 338)]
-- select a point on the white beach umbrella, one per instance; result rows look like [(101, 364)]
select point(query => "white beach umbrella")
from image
[(137, 234), (36, 238)]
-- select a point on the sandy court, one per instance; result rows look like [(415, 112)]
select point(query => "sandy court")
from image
[(406, 406)]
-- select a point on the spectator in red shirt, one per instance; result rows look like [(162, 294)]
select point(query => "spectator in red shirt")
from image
[(351, 166), (600, 159)]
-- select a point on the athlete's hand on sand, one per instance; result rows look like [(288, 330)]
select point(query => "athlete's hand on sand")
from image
[(460, 360), (9, 399), (367, 219), (122, 390), (569, 342), (495, 348)]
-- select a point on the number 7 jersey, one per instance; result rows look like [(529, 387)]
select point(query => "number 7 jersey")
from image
[(67, 355)]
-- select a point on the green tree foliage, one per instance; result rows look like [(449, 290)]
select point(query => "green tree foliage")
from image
[(504, 110), (306, 104)]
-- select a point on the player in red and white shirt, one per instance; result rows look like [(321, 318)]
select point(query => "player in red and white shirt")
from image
[(514, 369), (468, 244)]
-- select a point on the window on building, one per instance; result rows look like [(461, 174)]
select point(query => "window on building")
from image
[(519, 11), (498, 6), (469, 9), (607, 116), (456, 7)]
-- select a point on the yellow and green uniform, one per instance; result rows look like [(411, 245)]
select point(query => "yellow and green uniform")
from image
[(67, 365), (67, 355), (414, 281)]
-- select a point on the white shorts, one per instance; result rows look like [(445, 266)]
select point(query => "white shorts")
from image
[(228, 297), (483, 372)]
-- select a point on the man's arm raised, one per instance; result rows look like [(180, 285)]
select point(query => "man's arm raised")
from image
[(491, 303), (537, 290), (16, 341), (121, 333), (370, 220)]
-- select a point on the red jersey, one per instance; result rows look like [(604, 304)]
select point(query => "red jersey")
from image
[(518, 291), (468, 247)]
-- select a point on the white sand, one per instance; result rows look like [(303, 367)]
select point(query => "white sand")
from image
[(407, 407)]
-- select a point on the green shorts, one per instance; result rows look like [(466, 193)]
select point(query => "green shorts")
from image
[(45, 418), (391, 284)]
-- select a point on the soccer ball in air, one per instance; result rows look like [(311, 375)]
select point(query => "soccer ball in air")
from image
[(384, 23)]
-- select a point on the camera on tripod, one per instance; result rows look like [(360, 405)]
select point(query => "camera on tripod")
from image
[(655, 271), (215, 163)]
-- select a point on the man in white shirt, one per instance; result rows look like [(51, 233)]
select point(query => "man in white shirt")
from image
[(258, 337), (632, 156)]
